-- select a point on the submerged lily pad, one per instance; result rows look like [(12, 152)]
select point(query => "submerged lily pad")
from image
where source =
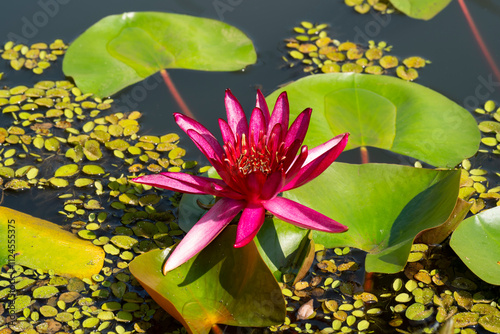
[(123, 49)]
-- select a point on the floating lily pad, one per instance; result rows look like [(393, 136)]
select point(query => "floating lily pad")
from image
[(400, 203), (182, 292), (420, 9), (120, 50), (477, 242), (384, 112), (50, 247)]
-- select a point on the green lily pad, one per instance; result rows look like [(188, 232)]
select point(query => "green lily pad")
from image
[(123, 49), (282, 246), (420, 9), (477, 242), (384, 218), (438, 234), (50, 247), (241, 286), (384, 112)]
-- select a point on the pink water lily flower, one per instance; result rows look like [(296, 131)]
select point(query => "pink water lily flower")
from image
[(258, 161)]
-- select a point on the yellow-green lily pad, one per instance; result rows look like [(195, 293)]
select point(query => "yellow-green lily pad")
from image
[(50, 247)]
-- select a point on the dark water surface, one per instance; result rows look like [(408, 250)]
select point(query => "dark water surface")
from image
[(458, 69)]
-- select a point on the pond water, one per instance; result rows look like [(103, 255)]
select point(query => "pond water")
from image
[(458, 69)]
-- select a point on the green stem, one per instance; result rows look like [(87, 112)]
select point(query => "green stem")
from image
[(175, 93)]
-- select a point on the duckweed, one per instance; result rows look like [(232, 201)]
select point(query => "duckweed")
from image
[(317, 52)]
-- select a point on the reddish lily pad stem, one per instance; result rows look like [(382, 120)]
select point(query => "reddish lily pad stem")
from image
[(216, 329), (365, 158), (175, 93), (479, 39)]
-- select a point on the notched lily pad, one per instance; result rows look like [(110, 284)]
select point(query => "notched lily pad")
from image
[(138, 44)]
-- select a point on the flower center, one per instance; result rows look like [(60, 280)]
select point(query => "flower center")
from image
[(245, 157), (252, 160)]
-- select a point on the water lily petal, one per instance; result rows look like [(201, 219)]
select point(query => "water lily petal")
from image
[(302, 216), (298, 129), (262, 105), (187, 124), (191, 184), (227, 133), (280, 115), (251, 221), (291, 154), (274, 140), (273, 185), (204, 231), (336, 144), (235, 115), (212, 156), (318, 159), (257, 126), (297, 164)]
